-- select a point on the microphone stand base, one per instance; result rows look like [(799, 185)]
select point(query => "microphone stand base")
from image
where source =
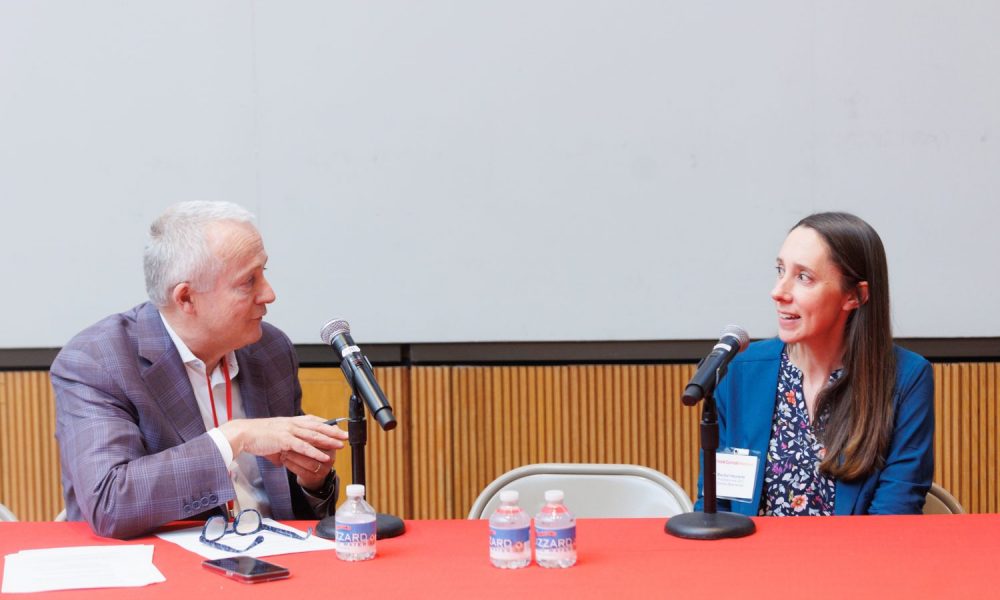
[(386, 526), (709, 526)]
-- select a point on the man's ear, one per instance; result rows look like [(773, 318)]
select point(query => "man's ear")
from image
[(182, 297)]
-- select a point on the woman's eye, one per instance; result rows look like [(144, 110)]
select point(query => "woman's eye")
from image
[(780, 269), (805, 277)]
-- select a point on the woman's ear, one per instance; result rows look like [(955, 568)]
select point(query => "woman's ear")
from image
[(859, 297)]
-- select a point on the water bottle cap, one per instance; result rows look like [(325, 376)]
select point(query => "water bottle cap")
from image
[(355, 490), (509, 496), (554, 496)]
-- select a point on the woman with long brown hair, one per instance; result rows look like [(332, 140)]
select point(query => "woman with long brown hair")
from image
[(841, 420)]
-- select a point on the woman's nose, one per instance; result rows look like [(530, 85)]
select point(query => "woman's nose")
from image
[(780, 291)]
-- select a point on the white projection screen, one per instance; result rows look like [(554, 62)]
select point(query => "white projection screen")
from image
[(464, 171)]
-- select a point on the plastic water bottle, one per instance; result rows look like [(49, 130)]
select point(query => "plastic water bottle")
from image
[(355, 524), (555, 533), (510, 533)]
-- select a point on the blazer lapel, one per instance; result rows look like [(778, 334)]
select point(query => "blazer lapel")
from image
[(165, 377), (253, 392), (752, 414)]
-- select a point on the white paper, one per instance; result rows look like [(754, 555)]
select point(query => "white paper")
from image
[(80, 567), (274, 543)]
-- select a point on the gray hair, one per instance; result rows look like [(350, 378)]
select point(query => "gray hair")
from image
[(177, 250)]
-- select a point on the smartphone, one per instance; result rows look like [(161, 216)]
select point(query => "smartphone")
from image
[(246, 569)]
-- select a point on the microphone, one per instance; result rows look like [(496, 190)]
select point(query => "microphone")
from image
[(358, 371), (734, 339)]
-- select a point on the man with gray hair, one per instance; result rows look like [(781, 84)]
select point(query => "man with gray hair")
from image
[(190, 404)]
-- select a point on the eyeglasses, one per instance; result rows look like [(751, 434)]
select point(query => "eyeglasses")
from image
[(248, 522)]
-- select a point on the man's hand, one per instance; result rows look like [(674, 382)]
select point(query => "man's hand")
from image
[(305, 445), (310, 474)]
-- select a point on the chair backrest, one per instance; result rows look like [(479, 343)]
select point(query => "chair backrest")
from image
[(5, 514), (592, 490), (940, 502)]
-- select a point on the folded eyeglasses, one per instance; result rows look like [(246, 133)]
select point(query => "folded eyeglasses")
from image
[(248, 522)]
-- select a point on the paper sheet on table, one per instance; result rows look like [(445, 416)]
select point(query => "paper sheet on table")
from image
[(274, 543), (80, 567)]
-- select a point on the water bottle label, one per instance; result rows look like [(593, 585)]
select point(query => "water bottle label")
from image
[(555, 544), (355, 538), (510, 544)]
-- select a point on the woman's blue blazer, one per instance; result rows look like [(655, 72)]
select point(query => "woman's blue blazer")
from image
[(746, 400)]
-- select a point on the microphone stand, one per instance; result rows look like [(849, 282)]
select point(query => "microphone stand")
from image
[(709, 525), (386, 525)]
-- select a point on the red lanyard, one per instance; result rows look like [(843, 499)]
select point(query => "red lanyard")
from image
[(229, 394), (229, 412)]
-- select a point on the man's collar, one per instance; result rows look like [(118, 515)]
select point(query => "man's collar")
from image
[(188, 357)]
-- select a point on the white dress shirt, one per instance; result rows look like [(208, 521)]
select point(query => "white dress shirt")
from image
[(243, 470)]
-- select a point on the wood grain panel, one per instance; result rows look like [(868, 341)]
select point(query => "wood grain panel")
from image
[(493, 419), (460, 427), (29, 457), (325, 392), (965, 437)]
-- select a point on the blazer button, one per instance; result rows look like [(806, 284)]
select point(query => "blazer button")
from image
[(213, 499), (187, 508)]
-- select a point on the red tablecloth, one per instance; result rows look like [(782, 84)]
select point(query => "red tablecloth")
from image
[(942, 556)]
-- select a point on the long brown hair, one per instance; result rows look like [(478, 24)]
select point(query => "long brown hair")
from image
[(858, 430)]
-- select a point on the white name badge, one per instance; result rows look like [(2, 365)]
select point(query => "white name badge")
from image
[(735, 475)]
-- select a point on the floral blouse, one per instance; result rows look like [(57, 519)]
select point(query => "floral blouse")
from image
[(793, 484)]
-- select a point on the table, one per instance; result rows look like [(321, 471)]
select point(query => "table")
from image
[(933, 556)]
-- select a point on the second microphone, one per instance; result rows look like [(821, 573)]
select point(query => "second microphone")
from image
[(358, 371)]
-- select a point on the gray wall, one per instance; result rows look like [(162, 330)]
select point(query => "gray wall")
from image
[(521, 170)]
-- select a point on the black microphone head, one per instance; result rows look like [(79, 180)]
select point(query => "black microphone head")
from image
[(332, 328), (737, 332)]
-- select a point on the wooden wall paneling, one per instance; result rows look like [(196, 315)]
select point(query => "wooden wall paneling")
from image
[(7, 476), (988, 399), (478, 402), (505, 417), (484, 425), (965, 437), (946, 460), (388, 468), (526, 450), (29, 458), (991, 433), (505, 423), (979, 435), (562, 414), (971, 424), (465, 410), (597, 423), (964, 409), (420, 445), (939, 423), (460, 427), (576, 417), (443, 448), (431, 442), (660, 427), (957, 401), (325, 393)]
